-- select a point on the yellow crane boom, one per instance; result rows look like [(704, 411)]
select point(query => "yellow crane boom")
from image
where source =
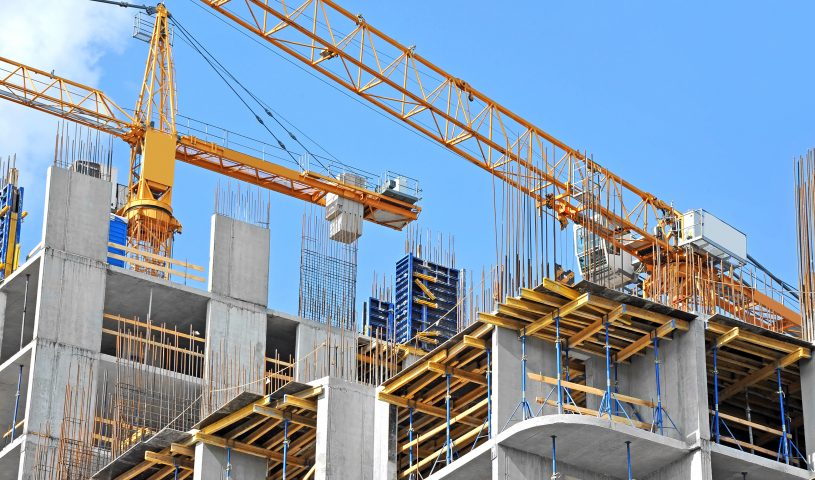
[(89, 106), (345, 48)]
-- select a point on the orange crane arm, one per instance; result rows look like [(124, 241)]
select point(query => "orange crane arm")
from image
[(390, 75), (88, 106), (345, 48), (64, 98)]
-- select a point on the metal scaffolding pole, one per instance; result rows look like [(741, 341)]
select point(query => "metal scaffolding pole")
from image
[(20, 374), (785, 442), (285, 446), (410, 442), (628, 458), (559, 368), (660, 414), (523, 405), (449, 442), (716, 434)]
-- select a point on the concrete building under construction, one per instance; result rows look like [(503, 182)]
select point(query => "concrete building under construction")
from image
[(670, 354)]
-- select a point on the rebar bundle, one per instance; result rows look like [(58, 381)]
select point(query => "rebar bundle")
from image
[(328, 275), (805, 216)]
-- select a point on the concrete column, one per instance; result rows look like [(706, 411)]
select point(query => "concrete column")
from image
[(684, 386), (321, 352), (236, 315), (70, 301), (694, 466), (506, 367), (345, 425), (211, 464), (807, 367), (239, 260), (385, 436)]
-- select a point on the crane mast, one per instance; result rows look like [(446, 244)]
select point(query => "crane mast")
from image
[(345, 48), (156, 142), (151, 225)]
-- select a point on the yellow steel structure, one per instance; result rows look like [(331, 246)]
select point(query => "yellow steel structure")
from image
[(348, 50), (155, 145), (151, 225)]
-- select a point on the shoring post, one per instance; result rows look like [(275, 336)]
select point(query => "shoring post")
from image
[(175, 473), (410, 440), (285, 447), (20, 374), (228, 462), (716, 434), (628, 458), (489, 394), (658, 411), (748, 412), (523, 405), (449, 443), (16, 402), (559, 366), (616, 386), (606, 402), (785, 446), (554, 456), (25, 304)]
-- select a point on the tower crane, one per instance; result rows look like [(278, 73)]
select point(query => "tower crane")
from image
[(349, 51), (156, 144)]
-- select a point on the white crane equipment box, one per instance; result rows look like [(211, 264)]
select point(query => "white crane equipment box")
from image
[(713, 236)]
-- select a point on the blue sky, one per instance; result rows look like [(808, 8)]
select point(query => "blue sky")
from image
[(704, 104)]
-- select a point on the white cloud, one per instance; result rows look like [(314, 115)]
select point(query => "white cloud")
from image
[(67, 36)]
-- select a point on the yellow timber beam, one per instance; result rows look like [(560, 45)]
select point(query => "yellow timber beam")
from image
[(662, 331), (761, 374), (581, 336), (549, 318)]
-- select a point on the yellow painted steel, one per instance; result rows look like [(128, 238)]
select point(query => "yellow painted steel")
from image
[(348, 50)]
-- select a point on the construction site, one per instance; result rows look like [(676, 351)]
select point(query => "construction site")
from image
[(668, 352)]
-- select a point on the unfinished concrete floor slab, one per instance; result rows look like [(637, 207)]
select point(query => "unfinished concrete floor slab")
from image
[(729, 464), (594, 444)]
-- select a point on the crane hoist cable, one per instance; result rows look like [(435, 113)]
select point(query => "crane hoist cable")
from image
[(223, 72)]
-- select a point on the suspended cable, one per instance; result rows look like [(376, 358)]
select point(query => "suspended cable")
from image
[(195, 45), (267, 109)]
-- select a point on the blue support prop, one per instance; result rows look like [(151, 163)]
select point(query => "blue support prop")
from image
[(410, 440), (785, 442), (628, 458), (658, 410), (554, 455), (175, 473), (717, 437), (16, 403), (487, 425), (449, 442), (660, 414), (228, 462), (559, 368), (610, 404), (489, 393), (285, 447), (523, 405)]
